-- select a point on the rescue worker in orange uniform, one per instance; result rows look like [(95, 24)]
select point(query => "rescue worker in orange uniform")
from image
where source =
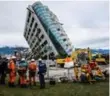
[(22, 69), (12, 73), (32, 71)]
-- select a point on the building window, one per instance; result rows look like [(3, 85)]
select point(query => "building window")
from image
[(38, 30), (34, 30), (32, 19), (58, 29), (42, 53), (45, 51), (29, 31), (64, 39), (39, 40), (42, 45), (29, 14), (32, 22), (32, 35), (35, 25), (36, 34), (42, 37), (28, 20), (52, 54), (33, 41), (45, 42), (33, 49), (67, 45), (31, 25), (36, 44), (27, 37)]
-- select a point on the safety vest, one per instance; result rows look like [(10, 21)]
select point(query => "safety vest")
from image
[(11, 65), (32, 66)]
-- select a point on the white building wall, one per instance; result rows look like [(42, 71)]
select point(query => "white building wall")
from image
[(30, 39)]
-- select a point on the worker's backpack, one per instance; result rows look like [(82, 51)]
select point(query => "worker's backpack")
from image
[(32, 66)]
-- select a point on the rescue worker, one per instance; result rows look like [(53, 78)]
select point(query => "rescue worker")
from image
[(42, 70), (76, 72), (93, 64), (89, 70), (32, 72), (88, 73), (98, 74), (3, 69), (83, 68), (22, 69), (12, 73), (83, 75)]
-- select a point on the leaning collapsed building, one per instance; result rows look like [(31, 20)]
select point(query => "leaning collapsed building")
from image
[(44, 33)]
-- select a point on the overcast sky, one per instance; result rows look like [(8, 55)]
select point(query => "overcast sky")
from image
[(85, 22)]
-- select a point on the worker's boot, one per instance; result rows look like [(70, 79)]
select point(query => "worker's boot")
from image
[(24, 85), (13, 85)]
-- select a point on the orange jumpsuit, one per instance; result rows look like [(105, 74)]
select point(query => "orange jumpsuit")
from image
[(12, 73), (22, 74), (32, 71)]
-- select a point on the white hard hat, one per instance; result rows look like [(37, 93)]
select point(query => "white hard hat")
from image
[(32, 59), (23, 59), (13, 57), (40, 59)]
